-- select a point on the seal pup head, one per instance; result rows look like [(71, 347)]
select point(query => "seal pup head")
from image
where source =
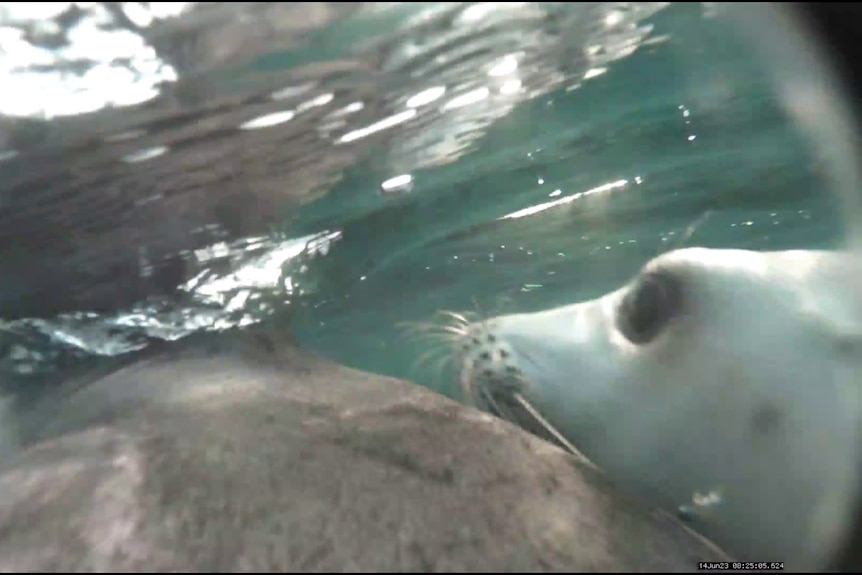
[(722, 384)]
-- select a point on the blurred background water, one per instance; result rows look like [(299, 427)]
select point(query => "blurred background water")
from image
[(338, 169)]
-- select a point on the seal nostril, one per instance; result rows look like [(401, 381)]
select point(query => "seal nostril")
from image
[(503, 354), (649, 306), (511, 369), (485, 355)]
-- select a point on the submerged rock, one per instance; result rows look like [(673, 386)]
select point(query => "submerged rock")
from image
[(243, 453)]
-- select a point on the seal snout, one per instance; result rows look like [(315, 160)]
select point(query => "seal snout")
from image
[(489, 373), (484, 353)]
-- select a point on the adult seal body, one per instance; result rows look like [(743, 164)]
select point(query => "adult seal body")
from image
[(242, 453), (723, 384)]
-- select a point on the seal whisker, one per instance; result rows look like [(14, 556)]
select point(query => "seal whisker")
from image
[(550, 428), (430, 331), (441, 363), (428, 356), (425, 328), (481, 317), (504, 302), (468, 391), (460, 331), (689, 231), (445, 336), (419, 327), (528, 357), (460, 318), (446, 339), (492, 404)]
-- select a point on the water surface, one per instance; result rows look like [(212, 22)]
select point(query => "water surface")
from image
[(358, 167)]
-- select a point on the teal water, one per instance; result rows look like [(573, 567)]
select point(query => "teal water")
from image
[(639, 120)]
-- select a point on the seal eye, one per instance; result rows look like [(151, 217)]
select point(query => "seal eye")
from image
[(648, 306)]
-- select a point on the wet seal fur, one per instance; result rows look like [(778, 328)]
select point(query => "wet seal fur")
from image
[(722, 384), (242, 453)]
